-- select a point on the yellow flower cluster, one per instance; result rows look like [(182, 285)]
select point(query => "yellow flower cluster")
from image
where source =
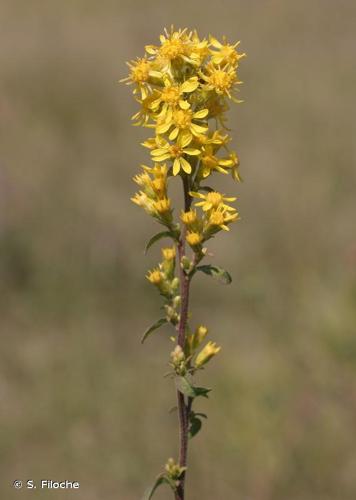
[(181, 85), (163, 276), (153, 194), (216, 215), (193, 342)]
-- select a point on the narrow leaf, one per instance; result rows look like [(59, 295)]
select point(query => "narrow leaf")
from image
[(159, 236), (160, 480), (216, 272), (152, 328)]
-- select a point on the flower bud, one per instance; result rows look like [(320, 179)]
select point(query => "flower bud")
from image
[(189, 218), (176, 301), (173, 469), (199, 335), (194, 239), (175, 284), (155, 277), (178, 360), (210, 350), (171, 314), (186, 263)]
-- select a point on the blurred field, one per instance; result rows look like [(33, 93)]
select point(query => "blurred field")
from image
[(81, 399)]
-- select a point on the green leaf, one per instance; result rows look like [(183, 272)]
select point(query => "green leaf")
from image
[(159, 481), (203, 415), (185, 387), (152, 328), (195, 426), (201, 391), (216, 272), (159, 236), (206, 188)]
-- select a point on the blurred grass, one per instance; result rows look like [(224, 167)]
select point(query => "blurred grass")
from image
[(79, 395)]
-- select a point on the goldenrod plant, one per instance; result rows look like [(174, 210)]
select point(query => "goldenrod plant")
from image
[(183, 87)]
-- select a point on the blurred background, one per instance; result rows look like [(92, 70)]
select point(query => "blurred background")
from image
[(81, 399)]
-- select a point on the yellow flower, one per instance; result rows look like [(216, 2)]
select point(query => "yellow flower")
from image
[(145, 113), (216, 139), (189, 218), (217, 107), (218, 219), (155, 187), (210, 162), (182, 122), (199, 49), (199, 335), (210, 350), (224, 53), (212, 200), (175, 47), (172, 95), (162, 206), (221, 80), (176, 153), (194, 239), (154, 276), (142, 200), (140, 73), (169, 253), (235, 167)]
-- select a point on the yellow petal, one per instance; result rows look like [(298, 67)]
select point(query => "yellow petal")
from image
[(201, 114), (185, 165), (162, 158), (155, 74), (184, 104), (173, 134), (176, 166), (214, 42), (226, 163), (195, 194), (185, 138), (198, 129), (162, 129), (159, 152), (190, 85), (192, 151), (150, 50)]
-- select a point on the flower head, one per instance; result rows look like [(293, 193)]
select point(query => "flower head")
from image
[(224, 53), (209, 351), (222, 80), (177, 152), (194, 239), (213, 200)]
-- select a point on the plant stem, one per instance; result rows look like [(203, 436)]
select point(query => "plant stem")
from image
[(183, 410)]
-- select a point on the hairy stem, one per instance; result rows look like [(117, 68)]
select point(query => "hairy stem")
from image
[(183, 410)]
